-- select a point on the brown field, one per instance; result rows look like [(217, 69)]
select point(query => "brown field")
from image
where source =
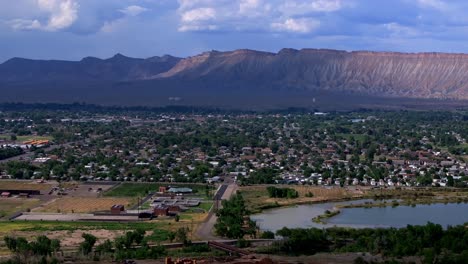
[(9, 206), (81, 205), (25, 185), (74, 238)]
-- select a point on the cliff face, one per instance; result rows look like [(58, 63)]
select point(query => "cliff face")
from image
[(303, 75), (421, 75)]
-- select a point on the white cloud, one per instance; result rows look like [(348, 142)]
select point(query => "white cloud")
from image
[(116, 24), (24, 24), (199, 14), (397, 30), (133, 10), (437, 4), (245, 6), (112, 26), (254, 15), (64, 13), (186, 28), (303, 25), (303, 7), (61, 13)]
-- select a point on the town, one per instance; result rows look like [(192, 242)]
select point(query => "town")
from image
[(359, 148)]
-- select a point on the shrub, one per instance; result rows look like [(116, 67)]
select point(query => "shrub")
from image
[(267, 235), (242, 243)]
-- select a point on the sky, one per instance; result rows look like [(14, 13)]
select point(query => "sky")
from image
[(73, 29)]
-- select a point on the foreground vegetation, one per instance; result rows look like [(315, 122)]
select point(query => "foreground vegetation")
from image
[(134, 244), (156, 231), (431, 242)]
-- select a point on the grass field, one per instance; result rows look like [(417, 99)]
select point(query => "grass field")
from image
[(9, 206), (27, 138), (81, 205), (206, 206), (128, 189), (46, 226)]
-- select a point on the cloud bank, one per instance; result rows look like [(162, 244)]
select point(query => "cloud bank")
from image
[(74, 28)]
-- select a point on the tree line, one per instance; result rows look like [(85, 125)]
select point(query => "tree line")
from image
[(275, 192), (431, 242), (8, 152)]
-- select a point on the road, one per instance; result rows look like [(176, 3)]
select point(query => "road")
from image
[(225, 191)]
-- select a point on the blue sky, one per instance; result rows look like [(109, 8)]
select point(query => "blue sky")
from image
[(72, 29)]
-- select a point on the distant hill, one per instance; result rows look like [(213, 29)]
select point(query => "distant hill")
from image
[(246, 79), (117, 68)]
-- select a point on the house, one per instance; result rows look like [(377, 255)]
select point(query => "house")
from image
[(214, 179), (399, 162), (174, 209), (117, 209), (161, 210), (447, 163), (248, 157)]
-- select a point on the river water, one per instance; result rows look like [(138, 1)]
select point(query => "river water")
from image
[(400, 216)]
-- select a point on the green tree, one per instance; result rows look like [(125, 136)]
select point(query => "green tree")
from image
[(233, 219), (181, 235), (450, 181), (86, 247)]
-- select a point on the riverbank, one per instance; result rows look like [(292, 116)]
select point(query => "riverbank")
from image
[(257, 198)]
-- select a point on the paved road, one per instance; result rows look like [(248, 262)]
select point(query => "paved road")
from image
[(205, 231)]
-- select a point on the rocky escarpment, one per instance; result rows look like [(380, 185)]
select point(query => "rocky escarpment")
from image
[(416, 75)]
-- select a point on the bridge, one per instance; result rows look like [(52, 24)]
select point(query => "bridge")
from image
[(227, 248)]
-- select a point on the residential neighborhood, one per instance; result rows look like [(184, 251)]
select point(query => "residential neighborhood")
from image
[(333, 149)]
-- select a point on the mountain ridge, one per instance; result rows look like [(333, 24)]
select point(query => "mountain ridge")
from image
[(289, 72)]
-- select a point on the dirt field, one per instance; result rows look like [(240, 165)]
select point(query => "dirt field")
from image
[(88, 190), (26, 185), (80, 205), (73, 238)]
